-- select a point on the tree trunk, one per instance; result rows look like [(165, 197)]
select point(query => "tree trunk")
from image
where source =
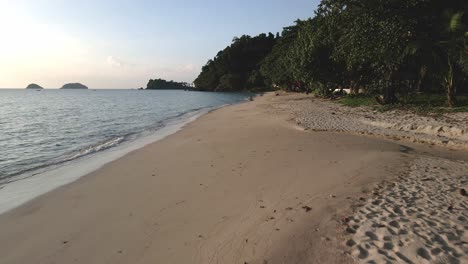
[(451, 96), (422, 77), (451, 91), (389, 96)]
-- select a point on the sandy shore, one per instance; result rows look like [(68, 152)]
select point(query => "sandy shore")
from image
[(422, 215), (448, 130), (242, 184), (420, 218)]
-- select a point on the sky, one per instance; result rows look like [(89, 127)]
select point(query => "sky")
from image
[(124, 43)]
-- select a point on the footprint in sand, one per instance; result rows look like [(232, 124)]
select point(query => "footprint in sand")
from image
[(413, 214)]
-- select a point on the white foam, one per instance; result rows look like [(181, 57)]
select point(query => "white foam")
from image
[(19, 192)]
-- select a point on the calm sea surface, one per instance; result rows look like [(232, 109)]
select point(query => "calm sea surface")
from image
[(44, 129)]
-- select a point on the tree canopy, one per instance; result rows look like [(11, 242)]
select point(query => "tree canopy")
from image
[(237, 67), (160, 84), (388, 48)]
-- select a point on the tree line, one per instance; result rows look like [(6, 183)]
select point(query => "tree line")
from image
[(160, 84), (237, 67), (390, 48)]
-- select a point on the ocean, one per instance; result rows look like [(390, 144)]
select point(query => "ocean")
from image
[(49, 138)]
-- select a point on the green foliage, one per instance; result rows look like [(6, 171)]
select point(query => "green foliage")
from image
[(229, 82), (276, 67), (311, 56), (236, 68), (160, 84), (256, 80), (391, 48)]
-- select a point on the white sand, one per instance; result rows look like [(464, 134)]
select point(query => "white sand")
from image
[(420, 218), (448, 130)]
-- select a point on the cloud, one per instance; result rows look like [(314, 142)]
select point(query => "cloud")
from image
[(119, 63), (117, 67), (188, 68), (180, 69)]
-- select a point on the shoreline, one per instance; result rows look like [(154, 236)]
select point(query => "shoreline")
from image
[(238, 185), (31, 185)]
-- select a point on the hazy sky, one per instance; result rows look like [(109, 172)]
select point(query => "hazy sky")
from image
[(123, 43)]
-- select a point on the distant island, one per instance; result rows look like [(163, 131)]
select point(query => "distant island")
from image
[(160, 84), (74, 86), (34, 86)]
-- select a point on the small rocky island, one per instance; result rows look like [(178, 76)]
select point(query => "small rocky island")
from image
[(74, 86), (34, 86), (161, 84)]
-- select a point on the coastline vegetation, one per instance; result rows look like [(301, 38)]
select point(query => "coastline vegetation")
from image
[(74, 86), (160, 84), (34, 86), (237, 67), (399, 53)]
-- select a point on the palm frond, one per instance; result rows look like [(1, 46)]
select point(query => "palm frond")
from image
[(412, 48), (456, 23)]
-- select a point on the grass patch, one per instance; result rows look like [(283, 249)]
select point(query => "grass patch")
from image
[(423, 104)]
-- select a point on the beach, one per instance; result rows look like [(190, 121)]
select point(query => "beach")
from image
[(256, 183)]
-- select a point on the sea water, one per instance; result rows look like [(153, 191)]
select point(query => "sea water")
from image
[(49, 138)]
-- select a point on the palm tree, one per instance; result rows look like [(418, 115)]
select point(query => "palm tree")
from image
[(443, 52), (456, 51)]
